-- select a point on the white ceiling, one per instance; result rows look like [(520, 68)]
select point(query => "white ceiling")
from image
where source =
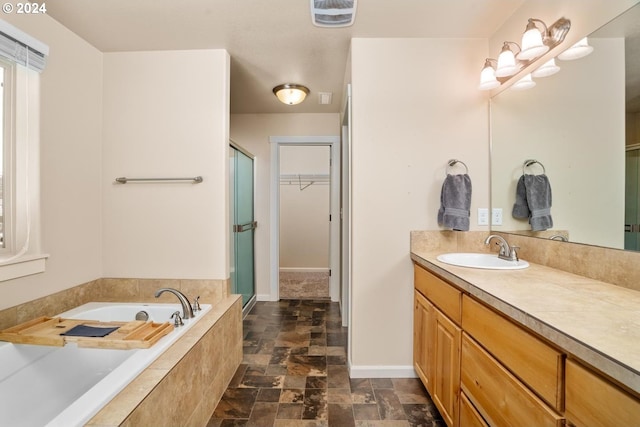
[(272, 41)]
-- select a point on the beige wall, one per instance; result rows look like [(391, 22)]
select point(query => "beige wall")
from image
[(252, 132), (162, 121), (70, 160), (415, 106)]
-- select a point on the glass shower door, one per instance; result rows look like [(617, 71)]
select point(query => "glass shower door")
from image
[(632, 201), (242, 267)]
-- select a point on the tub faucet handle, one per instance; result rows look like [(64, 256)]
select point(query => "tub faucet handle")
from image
[(196, 304), (177, 319)]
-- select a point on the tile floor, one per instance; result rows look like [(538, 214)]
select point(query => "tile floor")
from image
[(294, 374), (304, 285)]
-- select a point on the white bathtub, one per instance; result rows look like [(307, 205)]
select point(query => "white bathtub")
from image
[(66, 386)]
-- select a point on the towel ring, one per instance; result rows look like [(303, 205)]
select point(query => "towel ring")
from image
[(452, 162), (530, 162)]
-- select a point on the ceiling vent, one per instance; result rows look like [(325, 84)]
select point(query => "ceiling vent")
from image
[(333, 13)]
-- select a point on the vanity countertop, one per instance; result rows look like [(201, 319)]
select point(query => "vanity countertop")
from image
[(595, 321)]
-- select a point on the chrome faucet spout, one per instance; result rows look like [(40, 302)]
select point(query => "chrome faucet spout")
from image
[(187, 311), (506, 252)]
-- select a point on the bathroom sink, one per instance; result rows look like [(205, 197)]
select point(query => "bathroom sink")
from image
[(478, 260)]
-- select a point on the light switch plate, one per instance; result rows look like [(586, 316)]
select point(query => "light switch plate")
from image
[(496, 216), (483, 216)]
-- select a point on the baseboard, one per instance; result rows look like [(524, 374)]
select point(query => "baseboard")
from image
[(263, 297), (371, 371)]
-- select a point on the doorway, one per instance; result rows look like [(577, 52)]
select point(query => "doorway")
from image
[(632, 199), (333, 144), (305, 217), (241, 214)]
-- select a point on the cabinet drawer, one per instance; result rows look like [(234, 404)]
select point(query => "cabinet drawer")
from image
[(469, 416), (593, 401), (533, 361), (443, 295), (497, 394)]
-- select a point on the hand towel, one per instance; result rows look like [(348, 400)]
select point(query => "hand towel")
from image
[(538, 190), (455, 202), (520, 207)]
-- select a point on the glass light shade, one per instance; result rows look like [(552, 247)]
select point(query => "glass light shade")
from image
[(532, 45), (547, 69), (488, 79), (524, 83), (578, 50), (506, 63), (291, 94)]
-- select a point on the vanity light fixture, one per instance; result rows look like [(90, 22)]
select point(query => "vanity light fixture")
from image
[(507, 65), (578, 50), (549, 68), (291, 94), (532, 41), (488, 79), (537, 40), (524, 83)]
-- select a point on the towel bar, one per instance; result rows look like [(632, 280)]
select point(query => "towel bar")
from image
[(124, 180)]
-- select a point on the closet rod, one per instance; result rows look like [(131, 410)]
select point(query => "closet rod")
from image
[(124, 180)]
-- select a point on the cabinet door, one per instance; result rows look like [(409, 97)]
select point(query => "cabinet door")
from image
[(446, 378), (499, 396), (593, 401), (469, 416), (423, 342)]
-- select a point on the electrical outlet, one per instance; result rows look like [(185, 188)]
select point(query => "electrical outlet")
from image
[(496, 216), (483, 216)]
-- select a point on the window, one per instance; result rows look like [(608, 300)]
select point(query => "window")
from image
[(20, 65)]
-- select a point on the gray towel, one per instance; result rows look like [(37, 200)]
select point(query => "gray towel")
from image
[(455, 202), (520, 207), (539, 201)]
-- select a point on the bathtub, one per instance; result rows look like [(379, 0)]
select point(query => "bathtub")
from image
[(66, 386)]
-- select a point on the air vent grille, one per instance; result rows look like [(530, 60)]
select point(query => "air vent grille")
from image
[(333, 13)]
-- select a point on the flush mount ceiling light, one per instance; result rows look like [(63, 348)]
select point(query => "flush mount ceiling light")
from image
[(333, 13), (578, 50), (291, 94)]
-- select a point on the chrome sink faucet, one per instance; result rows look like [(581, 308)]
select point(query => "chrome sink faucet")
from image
[(506, 252), (187, 311)]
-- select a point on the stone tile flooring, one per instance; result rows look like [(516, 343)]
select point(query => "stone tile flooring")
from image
[(294, 374)]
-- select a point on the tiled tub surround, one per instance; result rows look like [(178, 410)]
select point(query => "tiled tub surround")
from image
[(213, 346), (593, 320)]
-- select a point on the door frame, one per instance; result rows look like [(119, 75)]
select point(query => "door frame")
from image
[(334, 226)]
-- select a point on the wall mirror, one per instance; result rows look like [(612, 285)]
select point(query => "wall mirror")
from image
[(582, 126)]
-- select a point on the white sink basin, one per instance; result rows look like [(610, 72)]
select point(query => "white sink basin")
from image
[(477, 260)]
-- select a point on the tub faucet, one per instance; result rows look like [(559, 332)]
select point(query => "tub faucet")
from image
[(187, 311), (507, 252)]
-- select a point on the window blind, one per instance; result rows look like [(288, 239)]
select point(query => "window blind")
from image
[(21, 48)]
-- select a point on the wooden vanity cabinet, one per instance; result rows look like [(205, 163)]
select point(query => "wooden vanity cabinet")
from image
[(437, 342), (497, 394), (593, 401), (469, 415)]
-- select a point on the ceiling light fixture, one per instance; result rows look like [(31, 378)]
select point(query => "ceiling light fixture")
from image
[(291, 94), (524, 83)]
